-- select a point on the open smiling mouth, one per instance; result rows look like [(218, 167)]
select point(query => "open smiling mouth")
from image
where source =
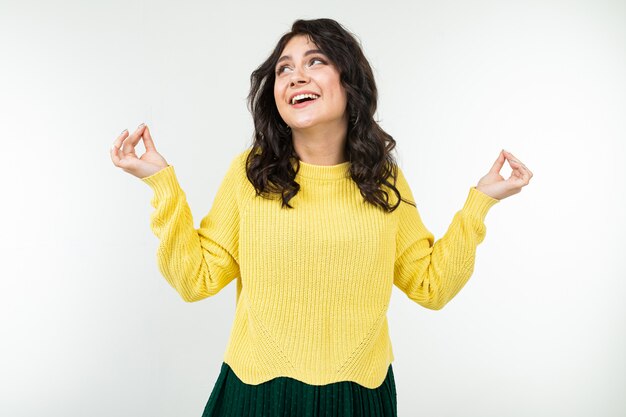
[(304, 101)]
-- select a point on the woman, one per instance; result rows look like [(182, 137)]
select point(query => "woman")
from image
[(316, 222)]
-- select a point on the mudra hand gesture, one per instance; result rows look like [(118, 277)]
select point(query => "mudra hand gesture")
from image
[(124, 156), (494, 185)]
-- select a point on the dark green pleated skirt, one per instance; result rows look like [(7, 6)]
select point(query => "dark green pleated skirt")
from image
[(288, 397)]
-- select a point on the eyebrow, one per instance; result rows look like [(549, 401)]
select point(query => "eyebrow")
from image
[(309, 52)]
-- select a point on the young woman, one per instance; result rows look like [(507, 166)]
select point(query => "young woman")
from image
[(317, 223)]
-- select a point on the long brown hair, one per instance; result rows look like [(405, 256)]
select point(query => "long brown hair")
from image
[(269, 166)]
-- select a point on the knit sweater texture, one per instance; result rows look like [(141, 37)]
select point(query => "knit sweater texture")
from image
[(313, 282)]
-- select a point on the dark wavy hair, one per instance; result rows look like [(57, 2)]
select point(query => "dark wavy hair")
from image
[(270, 163)]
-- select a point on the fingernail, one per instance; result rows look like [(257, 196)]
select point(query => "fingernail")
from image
[(123, 131), (139, 127)]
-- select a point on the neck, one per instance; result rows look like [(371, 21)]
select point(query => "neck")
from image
[(321, 145)]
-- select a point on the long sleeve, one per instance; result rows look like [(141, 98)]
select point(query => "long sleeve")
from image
[(197, 263), (432, 273)]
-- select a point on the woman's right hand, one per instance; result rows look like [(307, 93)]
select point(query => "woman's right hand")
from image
[(123, 155)]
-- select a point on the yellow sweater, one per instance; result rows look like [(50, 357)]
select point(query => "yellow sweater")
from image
[(313, 282)]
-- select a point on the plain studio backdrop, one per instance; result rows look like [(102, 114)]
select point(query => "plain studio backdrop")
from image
[(91, 328)]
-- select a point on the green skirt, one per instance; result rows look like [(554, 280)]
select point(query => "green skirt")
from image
[(287, 397)]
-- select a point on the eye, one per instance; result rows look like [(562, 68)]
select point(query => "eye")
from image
[(281, 68), (318, 59)]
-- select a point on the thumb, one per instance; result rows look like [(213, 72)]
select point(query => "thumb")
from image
[(147, 140), (498, 164)]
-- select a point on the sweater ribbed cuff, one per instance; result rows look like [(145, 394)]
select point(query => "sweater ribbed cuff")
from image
[(163, 182), (478, 203)]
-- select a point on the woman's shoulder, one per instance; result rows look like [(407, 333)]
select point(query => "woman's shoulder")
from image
[(238, 163)]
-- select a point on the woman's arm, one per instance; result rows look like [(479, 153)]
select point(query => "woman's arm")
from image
[(198, 263), (432, 272)]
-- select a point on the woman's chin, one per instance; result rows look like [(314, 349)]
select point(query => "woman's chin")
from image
[(304, 124)]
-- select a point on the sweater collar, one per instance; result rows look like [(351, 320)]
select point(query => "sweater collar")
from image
[(324, 172)]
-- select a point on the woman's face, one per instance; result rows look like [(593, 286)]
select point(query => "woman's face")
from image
[(301, 69)]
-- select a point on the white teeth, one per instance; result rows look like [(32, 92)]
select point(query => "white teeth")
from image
[(301, 96)]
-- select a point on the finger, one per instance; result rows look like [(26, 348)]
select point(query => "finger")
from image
[(514, 161), (515, 164), (147, 140), (528, 170), (132, 140), (127, 162), (512, 157), (497, 165), (519, 162), (115, 149), (524, 167), (520, 173), (129, 144)]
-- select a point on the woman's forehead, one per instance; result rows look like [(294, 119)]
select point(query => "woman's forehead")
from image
[(303, 40)]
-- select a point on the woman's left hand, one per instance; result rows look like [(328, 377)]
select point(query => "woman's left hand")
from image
[(494, 185)]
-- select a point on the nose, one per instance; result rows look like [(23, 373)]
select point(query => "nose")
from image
[(298, 77)]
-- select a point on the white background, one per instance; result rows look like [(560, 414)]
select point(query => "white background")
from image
[(90, 327)]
